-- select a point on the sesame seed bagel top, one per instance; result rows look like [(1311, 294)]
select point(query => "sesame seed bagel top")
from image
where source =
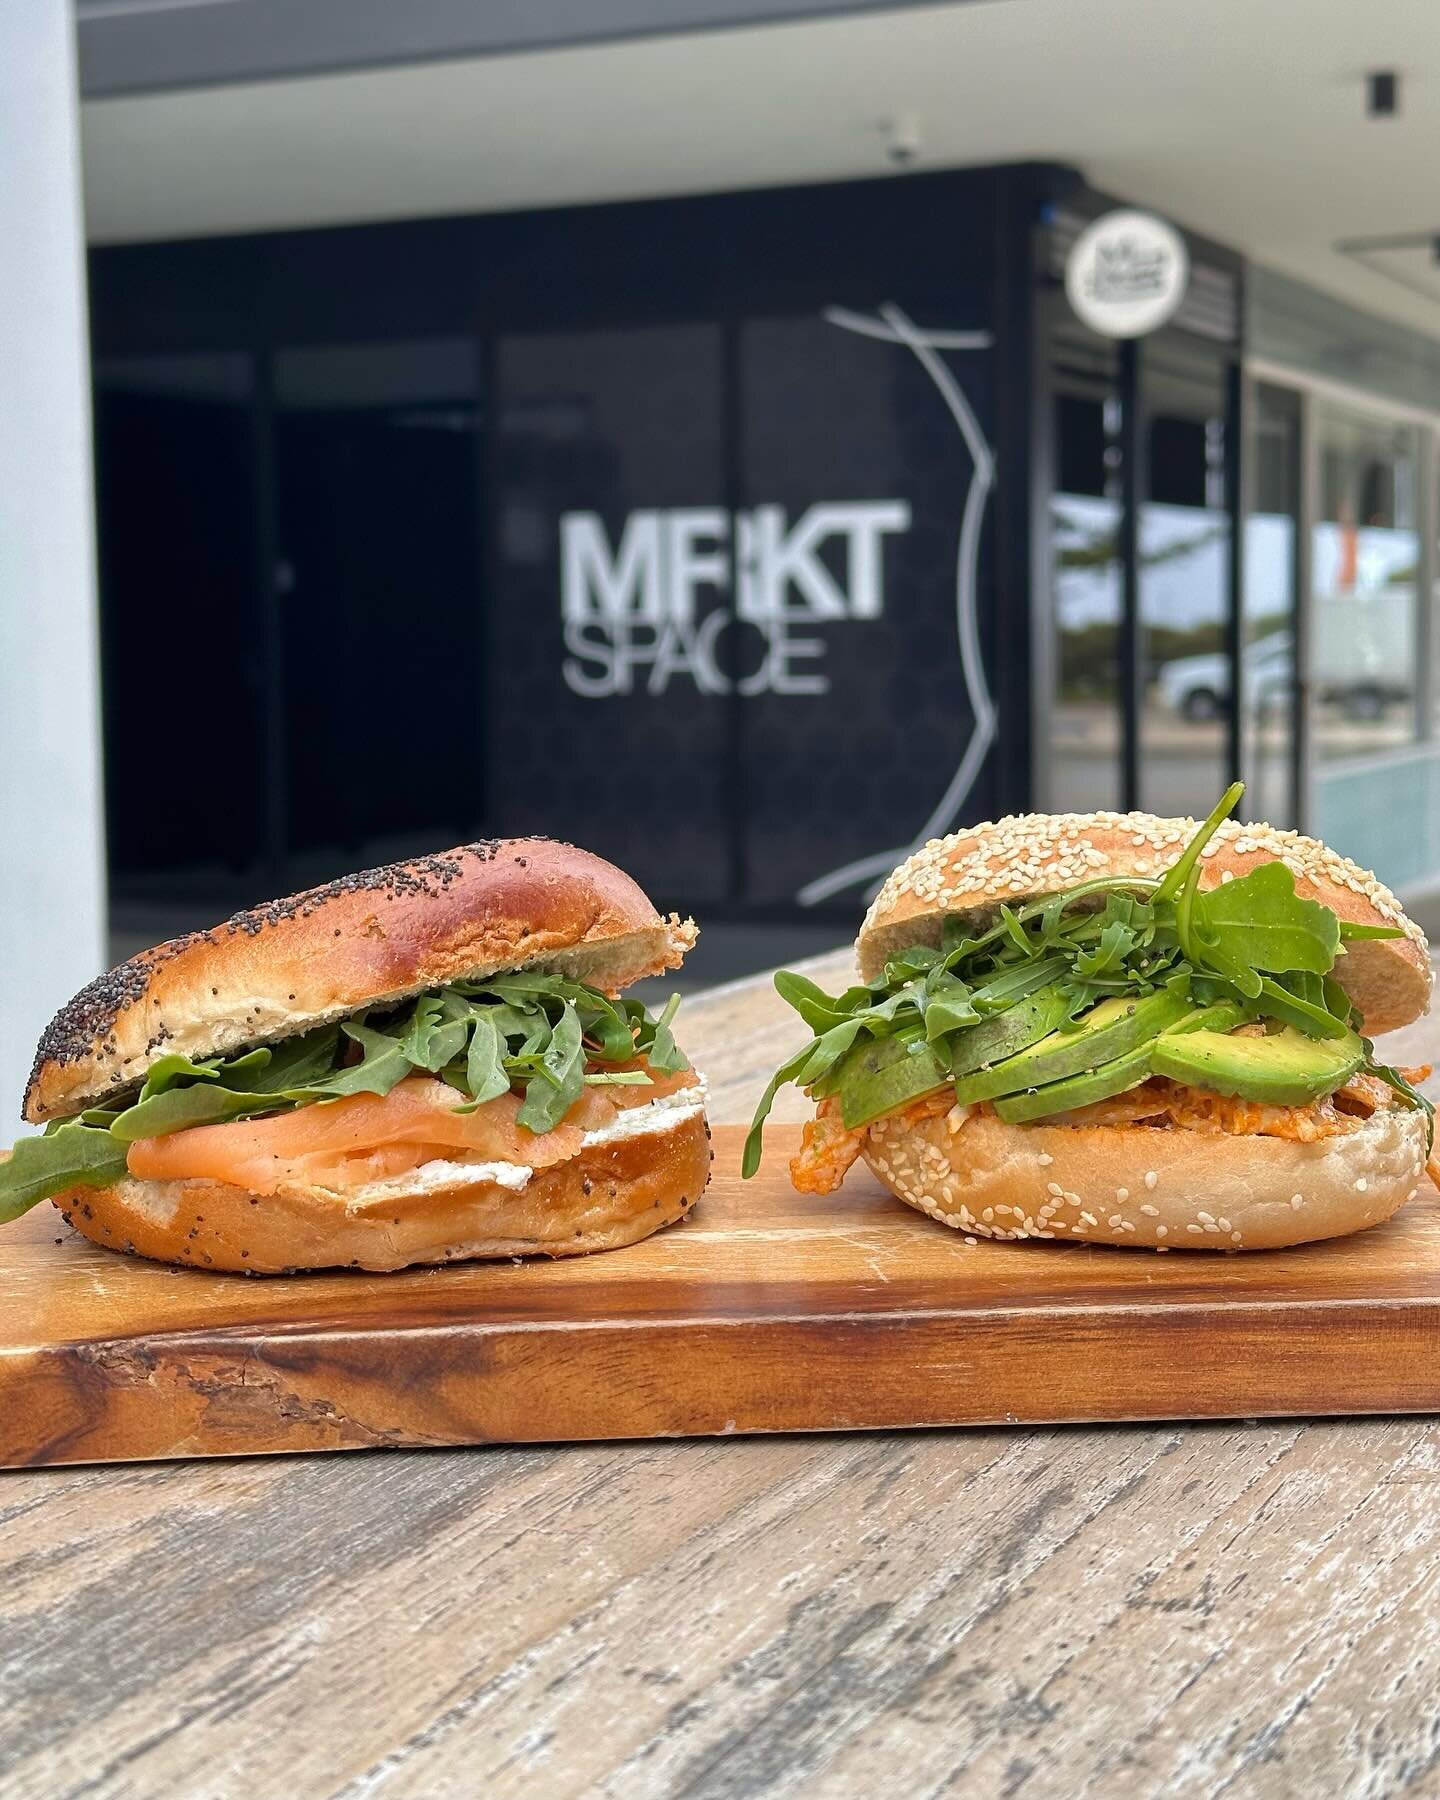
[(973, 872), (380, 936)]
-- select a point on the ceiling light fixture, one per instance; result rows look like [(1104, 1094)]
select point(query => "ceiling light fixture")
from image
[(1382, 93)]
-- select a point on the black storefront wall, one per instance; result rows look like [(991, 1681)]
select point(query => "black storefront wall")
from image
[(701, 532)]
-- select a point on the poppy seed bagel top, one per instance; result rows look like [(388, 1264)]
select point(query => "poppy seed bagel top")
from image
[(379, 936)]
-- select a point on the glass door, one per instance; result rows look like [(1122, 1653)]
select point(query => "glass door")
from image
[(1365, 554), (1375, 779), (1185, 684), (376, 590), (1271, 697), (1143, 586), (175, 505), (1086, 722)]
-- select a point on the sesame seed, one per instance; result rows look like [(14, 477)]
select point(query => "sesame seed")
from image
[(972, 1240), (1054, 1187), (1297, 1201), (1234, 1237), (1195, 1228), (1122, 1194), (1361, 1185), (1045, 1159), (1152, 1180), (1151, 1212)]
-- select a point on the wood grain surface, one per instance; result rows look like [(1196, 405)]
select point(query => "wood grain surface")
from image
[(766, 1310), (1124, 1610)]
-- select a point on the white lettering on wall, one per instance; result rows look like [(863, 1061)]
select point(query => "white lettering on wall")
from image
[(650, 609)]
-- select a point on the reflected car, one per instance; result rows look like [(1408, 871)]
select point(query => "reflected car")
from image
[(1198, 687)]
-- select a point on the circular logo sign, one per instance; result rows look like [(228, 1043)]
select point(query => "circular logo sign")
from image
[(1126, 273)]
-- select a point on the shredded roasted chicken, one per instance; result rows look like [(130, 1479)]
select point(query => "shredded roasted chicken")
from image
[(828, 1149)]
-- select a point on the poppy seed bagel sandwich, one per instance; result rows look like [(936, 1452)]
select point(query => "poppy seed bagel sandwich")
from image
[(1116, 1028), (414, 1064)]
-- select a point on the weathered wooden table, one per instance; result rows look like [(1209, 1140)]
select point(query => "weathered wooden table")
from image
[(1117, 1611)]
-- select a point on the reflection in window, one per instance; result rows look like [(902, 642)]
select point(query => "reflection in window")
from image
[(176, 506), (375, 513), (1268, 669), (1365, 554), (1085, 562), (1184, 535)]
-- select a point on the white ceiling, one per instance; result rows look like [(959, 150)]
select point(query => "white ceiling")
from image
[(1241, 118)]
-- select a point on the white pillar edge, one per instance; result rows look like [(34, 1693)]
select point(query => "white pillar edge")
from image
[(52, 861)]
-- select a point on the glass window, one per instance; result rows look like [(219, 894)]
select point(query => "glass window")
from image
[(1085, 725), (1365, 553), (175, 499), (377, 588), (1183, 550), (1272, 528)]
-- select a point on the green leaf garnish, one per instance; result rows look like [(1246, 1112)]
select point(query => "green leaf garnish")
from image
[(544, 1036), (1411, 1095), (1259, 921), (1252, 942), (1179, 871), (75, 1155)]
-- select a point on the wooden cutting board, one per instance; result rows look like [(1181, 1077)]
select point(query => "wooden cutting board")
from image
[(766, 1311)]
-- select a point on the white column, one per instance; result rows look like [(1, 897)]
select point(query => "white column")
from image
[(52, 903)]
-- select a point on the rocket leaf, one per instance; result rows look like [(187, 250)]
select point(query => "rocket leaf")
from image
[(544, 1035)]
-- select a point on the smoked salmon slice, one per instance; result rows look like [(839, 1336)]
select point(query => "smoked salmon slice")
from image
[(366, 1137)]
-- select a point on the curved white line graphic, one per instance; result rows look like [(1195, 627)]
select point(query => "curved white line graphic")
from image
[(864, 326), (895, 327)]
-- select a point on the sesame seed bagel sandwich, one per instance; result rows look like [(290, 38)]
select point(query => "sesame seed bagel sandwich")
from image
[(416, 1064), (1122, 1029)]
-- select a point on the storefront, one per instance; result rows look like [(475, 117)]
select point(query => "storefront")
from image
[(749, 539), (695, 531), (1340, 577)]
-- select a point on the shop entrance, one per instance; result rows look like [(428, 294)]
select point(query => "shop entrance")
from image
[(266, 518), (1143, 568)]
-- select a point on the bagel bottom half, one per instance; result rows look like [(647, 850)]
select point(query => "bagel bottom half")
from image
[(1146, 1187), (606, 1196)]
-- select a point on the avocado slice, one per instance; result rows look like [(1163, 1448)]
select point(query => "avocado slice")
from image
[(1285, 1068), (1112, 1029), (880, 1074), (1078, 1090), (876, 1077), (1222, 1015), (1003, 1034)]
